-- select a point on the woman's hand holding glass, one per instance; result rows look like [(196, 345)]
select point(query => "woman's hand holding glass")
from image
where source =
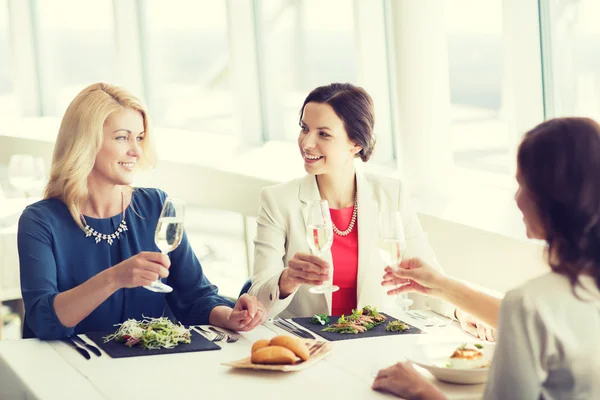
[(303, 269), (414, 275), (247, 314), (140, 270)]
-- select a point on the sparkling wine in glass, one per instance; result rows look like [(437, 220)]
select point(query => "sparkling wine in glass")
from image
[(319, 235), (392, 245), (169, 232)]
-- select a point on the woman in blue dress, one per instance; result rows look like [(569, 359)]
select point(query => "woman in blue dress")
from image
[(73, 282)]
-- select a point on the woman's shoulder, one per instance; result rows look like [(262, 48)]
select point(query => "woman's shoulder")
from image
[(548, 291), (282, 191), (388, 183), (46, 208), (149, 196)]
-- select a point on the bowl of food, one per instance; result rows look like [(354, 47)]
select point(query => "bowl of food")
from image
[(466, 363)]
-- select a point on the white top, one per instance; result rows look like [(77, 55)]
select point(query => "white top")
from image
[(281, 234), (549, 342)]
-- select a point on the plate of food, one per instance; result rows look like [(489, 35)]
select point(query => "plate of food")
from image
[(150, 336), (364, 322), (283, 353), (463, 363)]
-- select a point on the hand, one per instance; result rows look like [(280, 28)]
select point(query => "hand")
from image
[(303, 269), (415, 276), (475, 327), (404, 381), (246, 315), (140, 270)]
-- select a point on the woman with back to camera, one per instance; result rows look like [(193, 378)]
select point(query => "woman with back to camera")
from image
[(336, 127), (548, 345), (73, 281)]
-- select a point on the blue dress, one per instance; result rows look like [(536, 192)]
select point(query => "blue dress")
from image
[(55, 256)]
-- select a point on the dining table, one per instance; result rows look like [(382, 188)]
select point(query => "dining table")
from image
[(52, 370)]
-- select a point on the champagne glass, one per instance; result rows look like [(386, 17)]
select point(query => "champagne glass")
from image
[(392, 245), (319, 235), (169, 232)]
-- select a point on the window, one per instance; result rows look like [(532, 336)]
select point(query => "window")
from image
[(476, 62), (76, 48), (8, 100), (188, 62), (571, 49), (304, 44)]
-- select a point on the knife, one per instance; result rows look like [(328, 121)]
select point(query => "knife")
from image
[(90, 347), (287, 326), (81, 351)]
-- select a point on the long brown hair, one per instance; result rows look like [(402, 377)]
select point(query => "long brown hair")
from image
[(559, 162)]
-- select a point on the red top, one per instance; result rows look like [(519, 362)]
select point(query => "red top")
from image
[(344, 252)]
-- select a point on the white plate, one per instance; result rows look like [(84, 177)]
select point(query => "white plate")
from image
[(434, 357)]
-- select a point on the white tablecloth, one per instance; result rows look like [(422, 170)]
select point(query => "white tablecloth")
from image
[(31, 369)]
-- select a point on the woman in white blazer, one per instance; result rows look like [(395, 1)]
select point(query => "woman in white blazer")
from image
[(548, 344), (336, 126)]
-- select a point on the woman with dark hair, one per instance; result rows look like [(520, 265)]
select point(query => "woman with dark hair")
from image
[(336, 127), (548, 345)]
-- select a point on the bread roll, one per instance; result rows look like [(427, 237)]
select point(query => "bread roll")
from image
[(292, 343), (259, 344), (273, 355)]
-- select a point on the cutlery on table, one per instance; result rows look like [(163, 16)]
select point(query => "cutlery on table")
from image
[(216, 337), (291, 328), (90, 347), (231, 338), (80, 350)]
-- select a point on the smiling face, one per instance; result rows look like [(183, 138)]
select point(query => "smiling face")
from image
[(526, 204), (116, 161), (323, 141)]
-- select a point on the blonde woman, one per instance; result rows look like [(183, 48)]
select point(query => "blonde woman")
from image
[(72, 282)]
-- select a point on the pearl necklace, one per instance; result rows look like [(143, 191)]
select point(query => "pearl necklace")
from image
[(89, 231), (352, 221)]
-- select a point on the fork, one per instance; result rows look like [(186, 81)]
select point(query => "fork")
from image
[(218, 335), (231, 338)]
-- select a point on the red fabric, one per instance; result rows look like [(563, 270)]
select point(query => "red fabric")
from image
[(344, 252)]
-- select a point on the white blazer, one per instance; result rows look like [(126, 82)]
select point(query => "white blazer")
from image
[(281, 233)]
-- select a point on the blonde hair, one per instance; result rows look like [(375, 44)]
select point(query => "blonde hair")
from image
[(80, 138)]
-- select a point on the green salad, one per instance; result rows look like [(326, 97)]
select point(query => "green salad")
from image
[(397, 326), (150, 333)]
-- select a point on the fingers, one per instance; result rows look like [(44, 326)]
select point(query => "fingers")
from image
[(310, 258), (247, 302), (307, 278), (258, 319), (469, 328), (382, 383), (156, 257)]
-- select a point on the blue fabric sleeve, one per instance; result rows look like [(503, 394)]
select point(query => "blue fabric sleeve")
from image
[(193, 296), (38, 277)]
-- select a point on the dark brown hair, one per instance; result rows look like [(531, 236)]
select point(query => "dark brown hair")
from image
[(559, 163), (354, 107)]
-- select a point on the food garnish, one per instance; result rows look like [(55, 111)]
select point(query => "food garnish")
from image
[(320, 319), (397, 326), (150, 333), (360, 321)]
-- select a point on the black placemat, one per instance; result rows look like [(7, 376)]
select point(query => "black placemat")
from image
[(119, 350), (378, 330)]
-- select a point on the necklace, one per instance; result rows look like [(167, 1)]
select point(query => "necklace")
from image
[(89, 231), (352, 221)]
